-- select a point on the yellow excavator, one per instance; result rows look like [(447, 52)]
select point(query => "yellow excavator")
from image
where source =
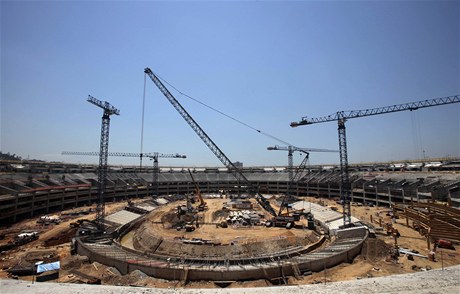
[(202, 206)]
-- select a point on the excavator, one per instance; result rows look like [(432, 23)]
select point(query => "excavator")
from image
[(202, 206), (285, 219), (187, 216)]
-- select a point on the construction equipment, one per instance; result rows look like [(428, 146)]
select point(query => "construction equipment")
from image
[(237, 173), (103, 156), (25, 238), (202, 206), (46, 220), (153, 156), (291, 149), (295, 177), (342, 116)]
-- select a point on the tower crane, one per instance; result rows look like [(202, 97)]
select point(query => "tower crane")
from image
[(291, 149), (342, 116), (293, 177), (237, 173), (153, 156), (103, 154)]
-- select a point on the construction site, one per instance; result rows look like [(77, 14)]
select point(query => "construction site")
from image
[(255, 147), (228, 227), (169, 241), (225, 227)]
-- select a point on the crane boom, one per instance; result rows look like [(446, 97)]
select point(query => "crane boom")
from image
[(108, 109), (202, 205), (125, 154), (294, 148), (342, 116), (154, 156), (207, 140), (379, 110), (291, 149)]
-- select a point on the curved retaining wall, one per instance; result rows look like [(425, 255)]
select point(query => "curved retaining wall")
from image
[(127, 260)]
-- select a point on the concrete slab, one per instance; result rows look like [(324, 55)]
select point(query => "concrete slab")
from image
[(122, 217)]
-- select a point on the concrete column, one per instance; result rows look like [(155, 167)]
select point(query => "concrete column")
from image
[(62, 200), (48, 202), (407, 219), (389, 195), (449, 199), (364, 194), (15, 206), (376, 197)]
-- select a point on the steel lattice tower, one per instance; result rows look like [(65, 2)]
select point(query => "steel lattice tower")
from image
[(342, 116), (103, 156)]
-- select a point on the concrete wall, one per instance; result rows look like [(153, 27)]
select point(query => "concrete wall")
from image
[(175, 271)]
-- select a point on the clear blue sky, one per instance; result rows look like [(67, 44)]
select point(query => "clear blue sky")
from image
[(265, 63)]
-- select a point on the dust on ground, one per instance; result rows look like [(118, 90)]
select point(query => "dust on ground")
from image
[(372, 261)]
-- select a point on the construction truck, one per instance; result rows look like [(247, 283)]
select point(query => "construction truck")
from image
[(286, 219), (24, 238), (49, 219)]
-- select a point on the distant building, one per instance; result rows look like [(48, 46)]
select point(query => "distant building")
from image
[(238, 164)]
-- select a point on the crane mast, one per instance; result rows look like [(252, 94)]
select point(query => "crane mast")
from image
[(240, 177), (342, 116), (291, 149), (202, 204), (293, 177), (103, 156)]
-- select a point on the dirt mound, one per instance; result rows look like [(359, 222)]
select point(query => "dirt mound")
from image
[(74, 261), (375, 249), (170, 217), (219, 214), (63, 237)]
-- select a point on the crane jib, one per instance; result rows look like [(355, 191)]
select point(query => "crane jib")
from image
[(236, 172), (342, 116), (379, 110)]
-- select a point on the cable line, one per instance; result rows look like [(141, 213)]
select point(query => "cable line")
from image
[(226, 115)]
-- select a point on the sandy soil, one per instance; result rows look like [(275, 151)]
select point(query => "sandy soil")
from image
[(209, 231), (371, 263)]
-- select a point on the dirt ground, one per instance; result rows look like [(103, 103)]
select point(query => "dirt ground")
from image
[(209, 231), (370, 263)]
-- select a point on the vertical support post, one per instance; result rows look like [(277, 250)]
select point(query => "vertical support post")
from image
[(449, 198), (364, 193), (102, 171), (389, 196), (344, 176), (156, 172), (407, 218), (290, 165), (376, 196), (103, 157)]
